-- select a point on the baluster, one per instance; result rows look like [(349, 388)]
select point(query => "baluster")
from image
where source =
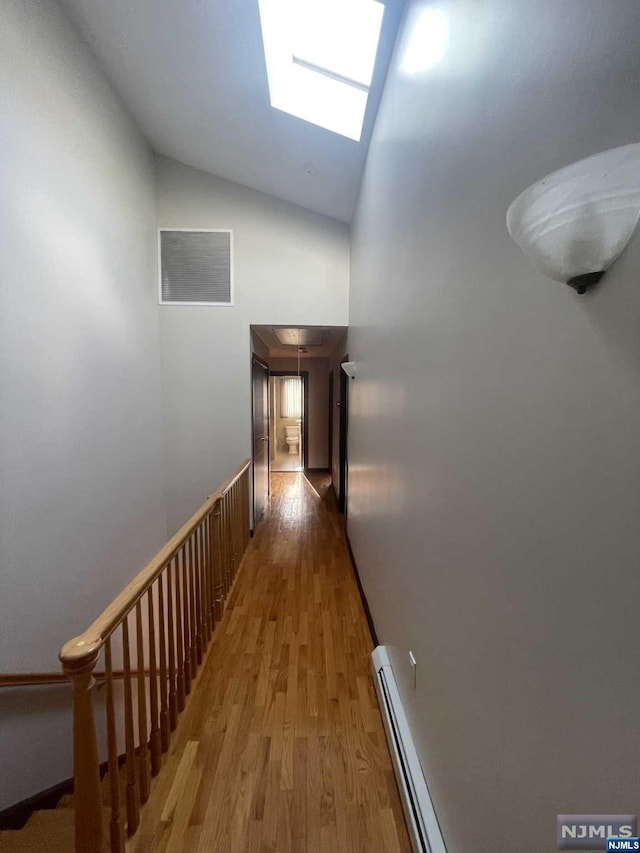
[(193, 619), (241, 512), (234, 547), (206, 586), (154, 735), (197, 585), (246, 515), (245, 507), (212, 570), (230, 536), (232, 556), (229, 540), (218, 591), (89, 831), (203, 584), (115, 824), (247, 504), (236, 523), (133, 794), (186, 618), (173, 690), (203, 588), (238, 514), (210, 574), (224, 546), (249, 500), (181, 681), (164, 684), (143, 747), (223, 554), (245, 510)]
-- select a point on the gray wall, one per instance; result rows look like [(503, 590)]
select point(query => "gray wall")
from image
[(494, 503), (81, 495), (291, 268)]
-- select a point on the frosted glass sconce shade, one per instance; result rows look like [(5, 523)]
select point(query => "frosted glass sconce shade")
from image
[(574, 223), (349, 368)]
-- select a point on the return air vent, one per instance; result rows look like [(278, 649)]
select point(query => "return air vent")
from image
[(196, 267)]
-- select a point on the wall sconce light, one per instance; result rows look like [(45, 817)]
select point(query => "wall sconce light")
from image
[(349, 368), (575, 223)]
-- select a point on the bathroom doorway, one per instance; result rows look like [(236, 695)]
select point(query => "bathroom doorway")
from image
[(289, 404)]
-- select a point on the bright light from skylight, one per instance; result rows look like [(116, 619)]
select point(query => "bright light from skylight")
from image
[(320, 57), (427, 42)]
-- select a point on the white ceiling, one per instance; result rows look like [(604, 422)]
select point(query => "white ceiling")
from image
[(332, 337), (192, 73)]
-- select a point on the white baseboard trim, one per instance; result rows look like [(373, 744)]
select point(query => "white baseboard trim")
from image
[(422, 822)]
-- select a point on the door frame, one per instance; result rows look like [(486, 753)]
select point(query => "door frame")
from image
[(304, 375), (256, 359)]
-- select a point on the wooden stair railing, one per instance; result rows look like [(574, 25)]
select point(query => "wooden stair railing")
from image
[(48, 679), (157, 631)]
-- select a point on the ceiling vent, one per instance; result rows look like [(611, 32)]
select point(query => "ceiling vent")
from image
[(299, 337), (196, 267)]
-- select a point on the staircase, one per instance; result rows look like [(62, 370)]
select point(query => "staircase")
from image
[(152, 638), (52, 830), (47, 831)]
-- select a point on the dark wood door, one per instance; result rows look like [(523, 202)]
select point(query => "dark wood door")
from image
[(330, 424), (260, 393), (344, 420)]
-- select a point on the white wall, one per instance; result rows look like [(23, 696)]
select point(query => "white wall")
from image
[(318, 414), (81, 496), (494, 436), (291, 267)]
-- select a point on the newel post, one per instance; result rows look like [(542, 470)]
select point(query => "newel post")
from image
[(78, 662)]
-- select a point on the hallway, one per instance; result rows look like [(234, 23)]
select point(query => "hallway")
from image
[(281, 747)]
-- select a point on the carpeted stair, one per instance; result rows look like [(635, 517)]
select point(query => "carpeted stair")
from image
[(50, 830)]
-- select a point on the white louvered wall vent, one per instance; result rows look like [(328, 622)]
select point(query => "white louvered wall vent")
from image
[(196, 267)]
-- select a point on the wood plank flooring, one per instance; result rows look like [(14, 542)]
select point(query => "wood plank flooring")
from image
[(281, 747)]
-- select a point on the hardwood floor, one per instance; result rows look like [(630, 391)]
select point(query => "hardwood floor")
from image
[(281, 747), (286, 462)]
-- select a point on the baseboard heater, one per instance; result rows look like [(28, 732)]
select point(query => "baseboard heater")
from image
[(422, 822)]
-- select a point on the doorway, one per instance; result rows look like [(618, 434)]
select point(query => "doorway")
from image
[(289, 428)]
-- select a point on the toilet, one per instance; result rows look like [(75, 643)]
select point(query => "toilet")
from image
[(292, 437)]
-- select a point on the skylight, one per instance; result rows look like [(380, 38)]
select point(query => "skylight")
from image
[(320, 56)]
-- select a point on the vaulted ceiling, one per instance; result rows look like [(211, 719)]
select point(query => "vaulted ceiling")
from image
[(192, 73)]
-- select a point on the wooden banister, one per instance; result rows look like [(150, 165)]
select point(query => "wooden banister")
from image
[(32, 679), (166, 616), (82, 647), (37, 679)]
